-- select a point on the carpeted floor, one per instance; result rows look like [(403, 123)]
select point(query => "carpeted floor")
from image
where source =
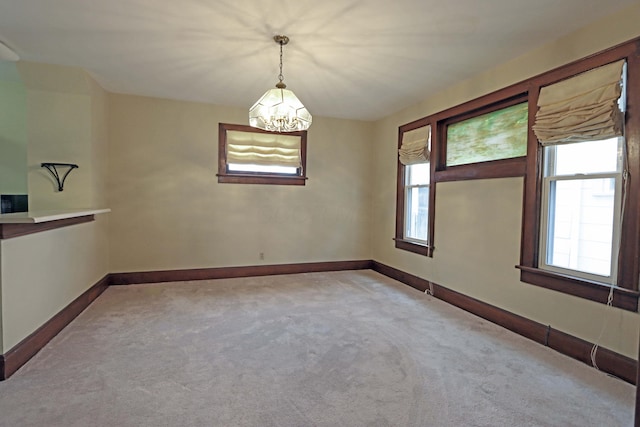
[(347, 348)]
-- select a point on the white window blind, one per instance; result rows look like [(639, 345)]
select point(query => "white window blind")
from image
[(582, 108), (414, 148), (263, 149)]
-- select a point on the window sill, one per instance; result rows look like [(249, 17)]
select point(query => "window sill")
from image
[(625, 299), (261, 179), (414, 247)]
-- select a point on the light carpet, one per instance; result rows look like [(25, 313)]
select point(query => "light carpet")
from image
[(349, 348)]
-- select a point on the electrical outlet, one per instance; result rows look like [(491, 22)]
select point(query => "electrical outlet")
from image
[(261, 255)]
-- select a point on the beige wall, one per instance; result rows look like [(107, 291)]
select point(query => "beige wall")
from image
[(42, 273), (66, 122), (99, 154), (477, 223), (13, 131), (169, 212)]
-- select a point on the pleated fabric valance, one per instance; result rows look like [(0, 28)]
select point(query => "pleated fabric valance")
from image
[(263, 149), (415, 146), (582, 108)]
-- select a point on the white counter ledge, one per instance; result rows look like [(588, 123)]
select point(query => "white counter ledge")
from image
[(33, 217), (23, 223)]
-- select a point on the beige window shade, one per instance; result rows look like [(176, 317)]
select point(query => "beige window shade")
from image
[(582, 108), (415, 146), (263, 149)]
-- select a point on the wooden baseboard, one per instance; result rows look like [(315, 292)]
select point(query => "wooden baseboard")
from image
[(607, 360), (232, 272), (13, 359)]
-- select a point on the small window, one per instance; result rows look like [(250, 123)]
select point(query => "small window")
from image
[(486, 138), (252, 156), (413, 217), (497, 135)]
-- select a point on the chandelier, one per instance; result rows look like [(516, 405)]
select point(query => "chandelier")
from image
[(279, 110)]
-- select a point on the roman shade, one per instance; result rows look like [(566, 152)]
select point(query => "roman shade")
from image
[(415, 146), (582, 108), (263, 149)]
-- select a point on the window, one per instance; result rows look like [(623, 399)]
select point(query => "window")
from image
[(581, 205), (416, 202), (580, 231), (500, 134), (485, 138), (252, 156), (414, 193)]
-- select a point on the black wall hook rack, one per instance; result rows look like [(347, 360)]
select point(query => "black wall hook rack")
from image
[(51, 167)]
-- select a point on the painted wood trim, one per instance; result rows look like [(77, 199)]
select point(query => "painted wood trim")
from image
[(521, 325), (498, 168), (408, 279), (232, 272), (629, 267), (616, 364), (400, 241), (637, 410), (504, 168), (238, 178), (20, 354), (622, 298), (226, 177), (9, 230), (400, 179), (416, 248), (630, 243), (608, 361)]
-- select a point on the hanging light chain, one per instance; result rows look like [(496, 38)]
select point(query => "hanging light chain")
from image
[(281, 40), (281, 76)]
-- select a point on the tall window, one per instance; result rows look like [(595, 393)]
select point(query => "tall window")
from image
[(581, 208), (414, 179), (579, 124), (580, 230), (416, 202)]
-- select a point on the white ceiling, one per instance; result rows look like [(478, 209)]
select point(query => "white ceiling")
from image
[(356, 59)]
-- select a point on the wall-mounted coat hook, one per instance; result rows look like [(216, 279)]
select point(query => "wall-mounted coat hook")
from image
[(51, 167)]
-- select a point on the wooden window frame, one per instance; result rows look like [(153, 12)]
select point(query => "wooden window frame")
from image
[(502, 168), (550, 178), (226, 176), (438, 122), (400, 241), (625, 294)]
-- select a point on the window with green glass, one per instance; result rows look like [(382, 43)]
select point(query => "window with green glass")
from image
[(497, 135)]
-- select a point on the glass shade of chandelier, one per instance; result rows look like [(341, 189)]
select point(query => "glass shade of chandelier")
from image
[(279, 109)]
